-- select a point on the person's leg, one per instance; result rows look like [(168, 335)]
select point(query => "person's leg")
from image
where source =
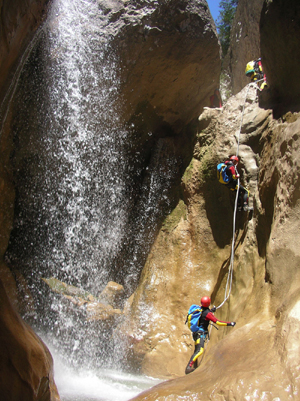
[(244, 197), (199, 339), (233, 186)]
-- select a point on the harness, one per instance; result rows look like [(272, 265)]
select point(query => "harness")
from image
[(202, 322)]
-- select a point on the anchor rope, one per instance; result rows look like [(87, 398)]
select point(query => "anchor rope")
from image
[(228, 286)]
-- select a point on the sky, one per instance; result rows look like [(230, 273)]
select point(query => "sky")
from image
[(214, 8)]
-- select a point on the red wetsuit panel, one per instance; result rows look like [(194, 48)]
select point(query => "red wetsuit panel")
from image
[(211, 316)]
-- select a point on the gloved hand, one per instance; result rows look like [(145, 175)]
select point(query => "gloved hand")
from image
[(233, 323), (213, 309)]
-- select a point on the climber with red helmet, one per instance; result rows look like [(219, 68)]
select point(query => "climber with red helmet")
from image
[(198, 320), (228, 175)]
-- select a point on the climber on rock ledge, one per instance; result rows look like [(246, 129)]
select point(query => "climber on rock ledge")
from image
[(228, 175), (198, 319)]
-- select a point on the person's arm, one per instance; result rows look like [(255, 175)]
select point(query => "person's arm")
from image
[(233, 172), (210, 316)]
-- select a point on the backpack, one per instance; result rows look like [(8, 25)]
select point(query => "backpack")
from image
[(222, 175), (193, 317)]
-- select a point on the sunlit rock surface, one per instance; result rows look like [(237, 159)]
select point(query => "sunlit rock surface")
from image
[(257, 358), (169, 57), (244, 42)]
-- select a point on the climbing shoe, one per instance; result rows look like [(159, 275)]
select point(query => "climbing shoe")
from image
[(190, 368)]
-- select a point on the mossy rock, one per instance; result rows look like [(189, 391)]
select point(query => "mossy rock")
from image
[(64, 289), (188, 173), (172, 221)]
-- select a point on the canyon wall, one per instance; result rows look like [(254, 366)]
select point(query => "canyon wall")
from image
[(244, 42), (258, 357), (170, 65), (26, 364), (190, 259), (279, 41)]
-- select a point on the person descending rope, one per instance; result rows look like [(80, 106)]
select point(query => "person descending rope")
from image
[(254, 71), (198, 319), (228, 175)]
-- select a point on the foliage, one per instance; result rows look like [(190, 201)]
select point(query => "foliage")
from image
[(224, 22)]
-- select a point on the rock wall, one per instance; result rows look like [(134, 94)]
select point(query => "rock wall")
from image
[(190, 258), (244, 42), (258, 358), (280, 50), (19, 22), (26, 364), (169, 54)]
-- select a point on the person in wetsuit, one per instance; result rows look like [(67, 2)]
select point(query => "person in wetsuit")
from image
[(232, 172), (200, 335), (254, 71)]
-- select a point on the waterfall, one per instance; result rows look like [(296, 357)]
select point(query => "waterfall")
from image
[(75, 182), (70, 167)]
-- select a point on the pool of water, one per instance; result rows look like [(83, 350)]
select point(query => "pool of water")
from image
[(98, 385)]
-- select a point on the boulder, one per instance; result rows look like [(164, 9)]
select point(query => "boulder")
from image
[(91, 307), (112, 294), (99, 311)]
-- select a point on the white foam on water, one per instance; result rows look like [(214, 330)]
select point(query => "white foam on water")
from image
[(98, 385)]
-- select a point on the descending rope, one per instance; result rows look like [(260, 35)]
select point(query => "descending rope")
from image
[(230, 270)]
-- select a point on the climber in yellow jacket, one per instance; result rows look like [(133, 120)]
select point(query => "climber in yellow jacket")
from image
[(254, 71)]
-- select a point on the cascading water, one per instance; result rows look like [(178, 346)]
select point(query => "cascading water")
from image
[(74, 189)]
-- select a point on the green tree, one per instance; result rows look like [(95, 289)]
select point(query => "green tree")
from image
[(224, 22)]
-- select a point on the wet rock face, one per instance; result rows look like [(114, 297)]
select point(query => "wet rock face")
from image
[(244, 42), (169, 57), (280, 50), (20, 20), (190, 258), (26, 364)]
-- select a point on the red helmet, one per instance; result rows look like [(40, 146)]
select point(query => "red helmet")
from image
[(234, 159), (205, 301)]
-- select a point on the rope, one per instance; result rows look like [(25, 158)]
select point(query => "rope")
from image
[(230, 270)]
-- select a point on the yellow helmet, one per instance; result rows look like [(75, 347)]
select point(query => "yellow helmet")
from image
[(250, 68)]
